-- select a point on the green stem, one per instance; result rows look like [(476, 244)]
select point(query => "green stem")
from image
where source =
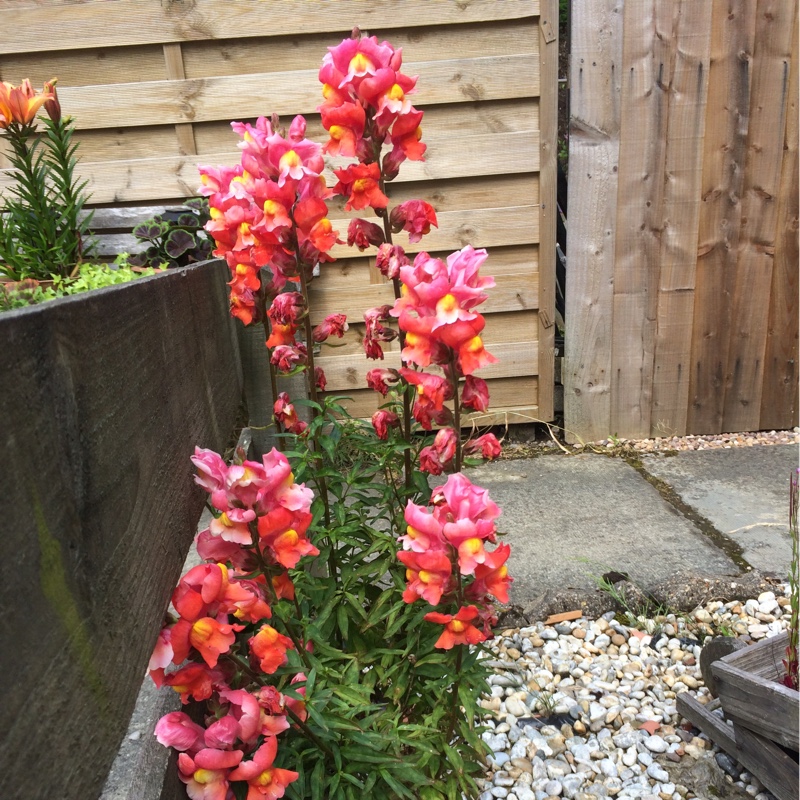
[(456, 409)]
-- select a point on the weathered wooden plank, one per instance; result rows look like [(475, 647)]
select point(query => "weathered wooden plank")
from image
[(548, 210), (492, 227), (111, 392), (750, 694), (517, 394), (346, 373), (724, 152), (750, 301), (776, 770), (594, 153), (681, 212), (648, 64), (173, 58), (119, 24), (121, 105), (512, 293), (779, 399), (176, 176), (204, 59)]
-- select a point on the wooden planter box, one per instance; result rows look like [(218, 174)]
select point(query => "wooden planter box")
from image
[(105, 394), (764, 712)]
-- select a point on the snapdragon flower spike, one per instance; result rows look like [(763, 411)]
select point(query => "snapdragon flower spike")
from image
[(269, 211), (458, 628), (365, 93)]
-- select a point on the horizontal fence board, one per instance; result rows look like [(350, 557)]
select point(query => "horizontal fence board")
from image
[(512, 293), (177, 176), (496, 116), (348, 372), (520, 394), (296, 92), (118, 23)]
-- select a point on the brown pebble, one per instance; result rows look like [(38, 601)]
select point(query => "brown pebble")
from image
[(690, 661), (618, 639), (673, 756), (579, 633)]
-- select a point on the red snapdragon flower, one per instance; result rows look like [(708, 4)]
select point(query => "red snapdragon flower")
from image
[(382, 420), (475, 394), (332, 325), (286, 414), (458, 628), (381, 379), (415, 217), (265, 781), (364, 234), (487, 445), (360, 183), (269, 647), (428, 575)]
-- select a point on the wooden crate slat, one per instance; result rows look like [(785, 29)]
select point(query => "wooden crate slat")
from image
[(116, 24), (183, 101), (753, 279), (594, 152), (681, 212)]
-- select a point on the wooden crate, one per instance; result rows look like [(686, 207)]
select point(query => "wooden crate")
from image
[(763, 734), (682, 279), (749, 688)]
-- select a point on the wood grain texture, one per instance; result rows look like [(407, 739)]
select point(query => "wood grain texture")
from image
[(649, 49), (724, 154), (779, 399), (753, 280), (111, 392), (453, 80), (172, 177), (130, 22), (750, 692), (548, 211), (173, 58), (684, 134), (774, 768), (594, 154)]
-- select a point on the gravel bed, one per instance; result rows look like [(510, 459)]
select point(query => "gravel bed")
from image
[(586, 709)]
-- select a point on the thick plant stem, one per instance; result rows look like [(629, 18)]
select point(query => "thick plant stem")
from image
[(312, 378), (456, 410), (407, 470), (273, 382)]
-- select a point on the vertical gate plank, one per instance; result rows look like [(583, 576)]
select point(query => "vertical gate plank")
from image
[(682, 180), (593, 155), (750, 302), (727, 119), (648, 56), (779, 400), (548, 127)]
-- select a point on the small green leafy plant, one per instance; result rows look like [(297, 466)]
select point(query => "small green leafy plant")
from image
[(44, 231), (29, 292), (174, 238)]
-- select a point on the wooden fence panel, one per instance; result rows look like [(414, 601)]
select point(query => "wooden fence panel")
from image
[(489, 123), (699, 330), (105, 396)]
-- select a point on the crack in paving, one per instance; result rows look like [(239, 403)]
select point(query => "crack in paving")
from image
[(718, 538)]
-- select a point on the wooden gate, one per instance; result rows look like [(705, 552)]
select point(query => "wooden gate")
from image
[(682, 292)]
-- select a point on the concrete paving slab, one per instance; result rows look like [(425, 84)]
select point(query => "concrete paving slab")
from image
[(570, 517), (743, 492)]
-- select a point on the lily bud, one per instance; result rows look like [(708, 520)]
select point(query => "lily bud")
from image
[(52, 106)]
